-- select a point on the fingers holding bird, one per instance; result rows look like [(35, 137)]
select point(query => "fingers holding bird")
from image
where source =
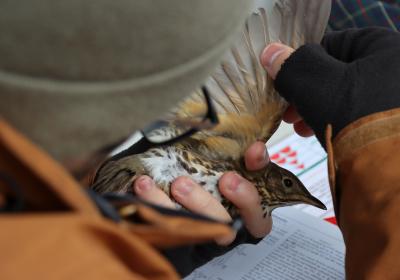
[(145, 188), (272, 58), (256, 156), (190, 195), (244, 195), (186, 192), (292, 116), (232, 186), (195, 198)]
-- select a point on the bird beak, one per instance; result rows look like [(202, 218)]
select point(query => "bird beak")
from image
[(315, 202)]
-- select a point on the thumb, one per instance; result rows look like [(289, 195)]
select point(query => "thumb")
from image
[(273, 56), (310, 79)]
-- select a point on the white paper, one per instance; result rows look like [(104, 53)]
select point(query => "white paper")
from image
[(299, 247), (307, 159)]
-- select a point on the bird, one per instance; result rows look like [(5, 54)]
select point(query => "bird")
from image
[(248, 110)]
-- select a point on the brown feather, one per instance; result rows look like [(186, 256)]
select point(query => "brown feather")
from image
[(248, 108)]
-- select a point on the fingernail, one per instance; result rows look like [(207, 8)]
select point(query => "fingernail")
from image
[(265, 156), (270, 53), (183, 187), (234, 182), (262, 156), (144, 184)]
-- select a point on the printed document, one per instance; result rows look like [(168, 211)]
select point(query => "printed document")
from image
[(302, 244)]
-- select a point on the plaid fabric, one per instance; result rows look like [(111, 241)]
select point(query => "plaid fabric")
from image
[(363, 13)]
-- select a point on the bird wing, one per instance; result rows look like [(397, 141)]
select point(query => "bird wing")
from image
[(247, 104)]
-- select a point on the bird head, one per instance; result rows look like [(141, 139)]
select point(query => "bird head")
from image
[(281, 187)]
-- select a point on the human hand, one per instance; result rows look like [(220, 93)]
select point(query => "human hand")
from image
[(272, 58), (352, 74), (233, 187)]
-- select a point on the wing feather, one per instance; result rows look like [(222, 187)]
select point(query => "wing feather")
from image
[(240, 88)]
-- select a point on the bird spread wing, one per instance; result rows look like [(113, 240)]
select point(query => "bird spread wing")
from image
[(248, 107)]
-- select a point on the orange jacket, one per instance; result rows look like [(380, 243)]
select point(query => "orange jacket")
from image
[(61, 234), (364, 174)]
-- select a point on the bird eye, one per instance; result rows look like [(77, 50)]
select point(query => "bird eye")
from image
[(287, 182)]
